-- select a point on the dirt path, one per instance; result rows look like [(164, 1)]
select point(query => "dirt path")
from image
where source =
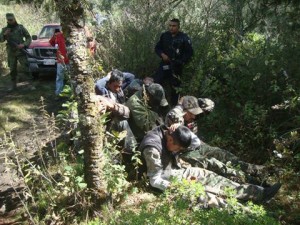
[(19, 110)]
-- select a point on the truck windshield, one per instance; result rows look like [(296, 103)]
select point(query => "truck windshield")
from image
[(47, 32)]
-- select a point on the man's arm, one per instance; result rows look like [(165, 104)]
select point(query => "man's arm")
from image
[(129, 77), (26, 36), (61, 41), (120, 110), (52, 40), (113, 107), (3, 33), (159, 49), (155, 168)]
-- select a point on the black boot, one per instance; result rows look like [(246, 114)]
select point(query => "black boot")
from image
[(270, 192)]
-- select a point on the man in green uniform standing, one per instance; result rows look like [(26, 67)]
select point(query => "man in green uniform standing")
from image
[(17, 38)]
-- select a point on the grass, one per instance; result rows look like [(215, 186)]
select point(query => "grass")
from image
[(17, 108)]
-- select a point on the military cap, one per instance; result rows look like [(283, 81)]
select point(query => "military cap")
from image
[(157, 91), (206, 104), (10, 16), (190, 104)]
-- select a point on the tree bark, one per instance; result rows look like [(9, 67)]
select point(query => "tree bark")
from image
[(91, 129)]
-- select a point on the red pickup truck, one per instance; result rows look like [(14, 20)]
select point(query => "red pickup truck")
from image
[(40, 47)]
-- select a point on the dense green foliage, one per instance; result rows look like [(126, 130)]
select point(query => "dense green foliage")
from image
[(246, 60)]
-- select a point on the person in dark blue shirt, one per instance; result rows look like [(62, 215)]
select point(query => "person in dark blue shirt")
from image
[(175, 49)]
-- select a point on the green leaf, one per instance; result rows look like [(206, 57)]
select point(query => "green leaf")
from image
[(82, 185), (68, 168)]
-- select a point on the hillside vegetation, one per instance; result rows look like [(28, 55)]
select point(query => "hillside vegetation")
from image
[(246, 59)]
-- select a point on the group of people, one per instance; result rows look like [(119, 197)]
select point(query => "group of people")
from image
[(18, 40), (166, 134), (165, 137)]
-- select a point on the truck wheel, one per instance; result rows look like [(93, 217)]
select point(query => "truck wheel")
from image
[(35, 75)]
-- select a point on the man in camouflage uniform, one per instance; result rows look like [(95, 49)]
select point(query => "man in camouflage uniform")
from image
[(202, 155), (159, 149), (15, 34), (147, 107)]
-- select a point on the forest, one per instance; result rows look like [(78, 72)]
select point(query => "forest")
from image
[(246, 59)]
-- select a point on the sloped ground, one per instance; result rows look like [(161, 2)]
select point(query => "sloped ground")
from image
[(21, 123)]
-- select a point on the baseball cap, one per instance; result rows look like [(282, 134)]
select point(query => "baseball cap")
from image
[(10, 16), (206, 104), (190, 103), (157, 91)]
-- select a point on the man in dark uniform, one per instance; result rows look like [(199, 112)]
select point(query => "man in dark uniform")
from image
[(15, 34), (175, 49)]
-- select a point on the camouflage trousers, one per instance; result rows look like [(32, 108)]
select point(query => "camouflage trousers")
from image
[(220, 161), (13, 57), (216, 187)]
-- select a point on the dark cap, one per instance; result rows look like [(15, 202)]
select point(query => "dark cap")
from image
[(157, 91), (190, 104), (10, 16)]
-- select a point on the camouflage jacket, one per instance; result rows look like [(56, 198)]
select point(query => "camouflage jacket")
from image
[(18, 34), (161, 163), (175, 115), (142, 117)]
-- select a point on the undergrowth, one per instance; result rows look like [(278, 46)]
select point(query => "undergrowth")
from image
[(180, 205), (55, 191)]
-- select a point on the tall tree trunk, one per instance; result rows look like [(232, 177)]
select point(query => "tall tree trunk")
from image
[(90, 127)]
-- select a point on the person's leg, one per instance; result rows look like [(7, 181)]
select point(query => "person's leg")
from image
[(212, 164), (217, 185), (225, 156), (163, 77), (12, 64), (159, 75), (24, 65), (59, 79), (214, 152), (25, 69), (175, 83)]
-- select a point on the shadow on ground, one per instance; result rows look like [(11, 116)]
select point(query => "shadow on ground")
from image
[(19, 112)]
